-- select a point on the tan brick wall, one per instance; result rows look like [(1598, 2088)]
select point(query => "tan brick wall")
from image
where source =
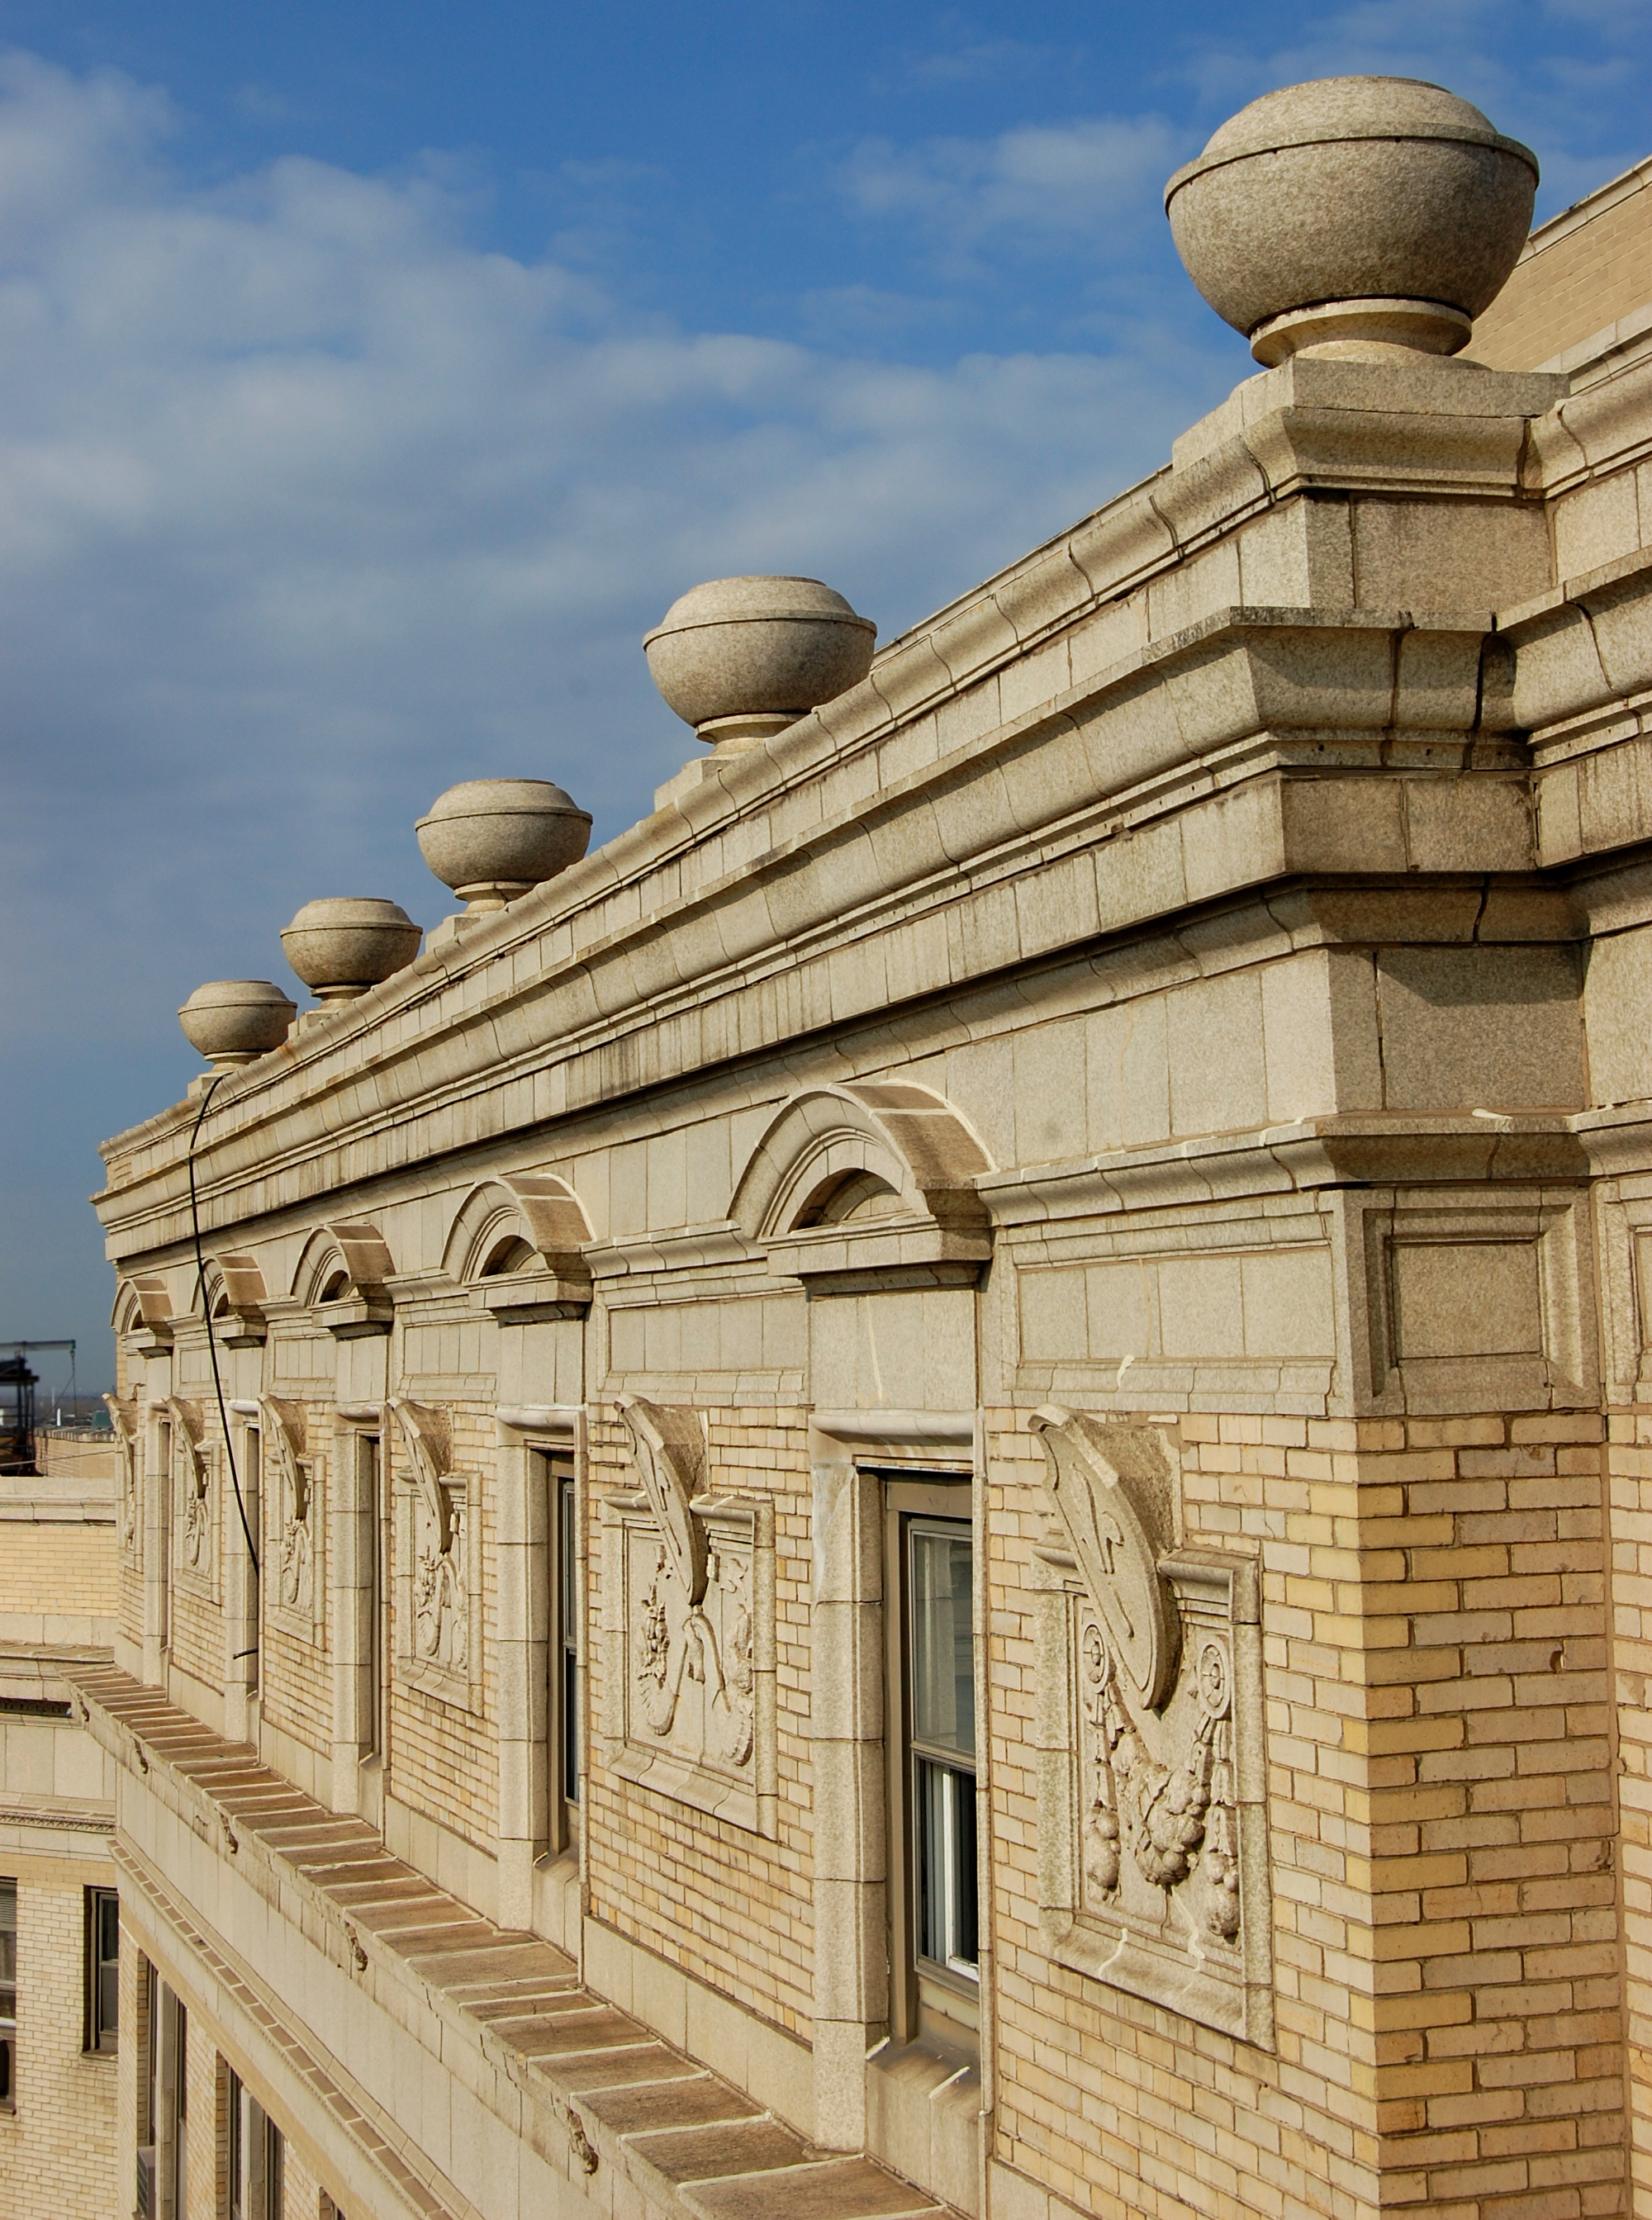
[(1441, 1815), (295, 1675), (730, 1906), (1630, 1467), (56, 2152), (1583, 271), (73, 1565)]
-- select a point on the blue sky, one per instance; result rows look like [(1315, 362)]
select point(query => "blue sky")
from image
[(372, 377)]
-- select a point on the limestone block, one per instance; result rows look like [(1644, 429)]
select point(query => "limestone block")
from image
[(1048, 591), (911, 1349), (1478, 1299), (1480, 1028), (1127, 1068), (1299, 555), (1217, 1054), (1051, 1117), (1477, 822), (1099, 643), (1141, 874), (1596, 524), (1122, 540), (1344, 824), (1298, 1038), (1617, 998), (1421, 554)]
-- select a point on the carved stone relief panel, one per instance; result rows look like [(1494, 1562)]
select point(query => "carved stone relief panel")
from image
[(294, 1525), (125, 1415), (436, 1568), (689, 1639), (1153, 1851), (195, 1537)]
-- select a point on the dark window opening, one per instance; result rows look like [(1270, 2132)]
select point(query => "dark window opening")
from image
[(102, 1970), (568, 1629), (8, 1996), (513, 1254)]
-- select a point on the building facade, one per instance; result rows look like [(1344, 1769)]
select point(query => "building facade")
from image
[(926, 1491), (58, 1901)]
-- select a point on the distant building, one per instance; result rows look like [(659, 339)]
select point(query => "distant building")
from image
[(59, 1906), (929, 1489)]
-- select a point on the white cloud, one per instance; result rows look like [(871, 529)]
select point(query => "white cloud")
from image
[(309, 505), (1039, 186)]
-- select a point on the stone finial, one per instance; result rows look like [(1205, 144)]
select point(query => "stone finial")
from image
[(491, 839), (1354, 212), (741, 658), (234, 1021), (343, 944)]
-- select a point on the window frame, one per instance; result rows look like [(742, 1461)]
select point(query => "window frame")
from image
[(101, 2037), (926, 1998)]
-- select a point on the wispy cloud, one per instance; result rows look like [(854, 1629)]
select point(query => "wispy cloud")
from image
[(1032, 189)]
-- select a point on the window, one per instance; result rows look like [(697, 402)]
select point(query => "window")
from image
[(148, 2087), (102, 1970), (941, 1739), (372, 1527), (567, 1658), (257, 2156), (930, 1629), (8, 1996), (175, 2094)]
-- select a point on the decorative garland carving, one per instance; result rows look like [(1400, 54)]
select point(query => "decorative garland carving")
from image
[(124, 1417), (440, 1597), (1152, 1846), (284, 1439), (691, 1667)]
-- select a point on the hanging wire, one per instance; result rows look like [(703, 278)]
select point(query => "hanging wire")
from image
[(212, 1339)]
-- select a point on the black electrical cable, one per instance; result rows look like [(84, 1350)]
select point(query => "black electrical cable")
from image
[(212, 1339)]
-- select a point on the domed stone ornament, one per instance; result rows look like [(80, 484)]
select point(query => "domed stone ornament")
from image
[(343, 944), (741, 658), (491, 839), (235, 1021), (1354, 212)]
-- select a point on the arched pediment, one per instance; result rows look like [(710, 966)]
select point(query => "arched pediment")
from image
[(876, 1178), (341, 1274), (234, 1297), (234, 1281), (346, 1246), (531, 1211), (141, 1302), (896, 1132)]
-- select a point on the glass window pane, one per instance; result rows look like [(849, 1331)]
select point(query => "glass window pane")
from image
[(103, 1969), (946, 1866), (942, 1641), (7, 1995), (568, 1631)]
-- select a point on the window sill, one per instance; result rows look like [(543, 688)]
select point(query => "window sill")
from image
[(923, 2117)]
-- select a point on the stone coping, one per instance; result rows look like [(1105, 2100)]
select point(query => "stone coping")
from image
[(688, 2142)]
